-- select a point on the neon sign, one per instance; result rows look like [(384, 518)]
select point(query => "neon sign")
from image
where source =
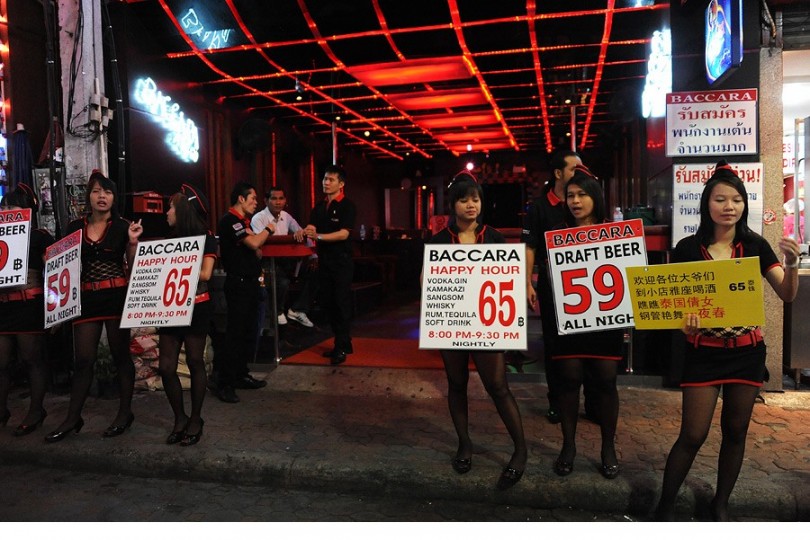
[(182, 138), (659, 75), (208, 39)]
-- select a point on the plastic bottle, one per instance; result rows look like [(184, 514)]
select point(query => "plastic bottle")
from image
[(617, 214), (362, 232)]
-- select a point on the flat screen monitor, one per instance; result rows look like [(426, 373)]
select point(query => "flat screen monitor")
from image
[(723, 37)]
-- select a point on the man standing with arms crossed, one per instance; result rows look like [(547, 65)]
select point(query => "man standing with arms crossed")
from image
[(330, 226)]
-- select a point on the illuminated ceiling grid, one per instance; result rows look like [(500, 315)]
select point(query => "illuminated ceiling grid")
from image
[(421, 77)]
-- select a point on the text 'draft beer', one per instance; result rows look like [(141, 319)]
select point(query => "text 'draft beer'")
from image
[(473, 297)]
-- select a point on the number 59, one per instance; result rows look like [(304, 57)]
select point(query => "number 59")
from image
[(607, 282)]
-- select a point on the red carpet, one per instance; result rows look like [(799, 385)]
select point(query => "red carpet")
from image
[(374, 352)]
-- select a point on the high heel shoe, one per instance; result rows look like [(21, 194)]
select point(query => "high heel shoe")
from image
[(609, 471), (563, 468), (462, 465), (509, 477), (25, 429), (115, 431), (190, 440), (4, 419), (176, 436), (56, 436)]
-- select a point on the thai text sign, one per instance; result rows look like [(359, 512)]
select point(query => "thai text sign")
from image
[(163, 283), (587, 274), (15, 233), (712, 123), (722, 293), (473, 297), (63, 273), (687, 187)]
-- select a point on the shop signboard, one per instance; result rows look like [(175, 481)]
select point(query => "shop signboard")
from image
[(712, 123)]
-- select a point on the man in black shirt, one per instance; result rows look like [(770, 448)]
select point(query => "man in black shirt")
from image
[(241, 259), (330, 226)]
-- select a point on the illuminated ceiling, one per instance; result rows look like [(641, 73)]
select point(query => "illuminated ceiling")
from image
[(422, 77)]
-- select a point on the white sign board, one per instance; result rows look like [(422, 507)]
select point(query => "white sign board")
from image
[(712, 123), (587, 274), (687, 187), (15, 234), (63, 277), (163, 283), (473, 297)]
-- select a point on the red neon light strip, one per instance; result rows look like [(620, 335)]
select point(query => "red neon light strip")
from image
[(386, 31), (315, 32), (538, 70), (462, 42), (597, 78), (426, 28), (327, 97), (238, 82)]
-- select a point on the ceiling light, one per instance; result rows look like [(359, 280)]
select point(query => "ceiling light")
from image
[(299, 97), (470, 166), (568, 101), (366, 133), (469, 148), (337, 118)]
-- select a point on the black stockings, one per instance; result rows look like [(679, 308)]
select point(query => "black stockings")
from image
[(571, 374), (169, 353), (86, 337), (30, 349), (492, 370), (696, 418)]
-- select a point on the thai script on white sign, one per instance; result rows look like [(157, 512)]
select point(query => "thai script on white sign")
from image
[(722, 122)]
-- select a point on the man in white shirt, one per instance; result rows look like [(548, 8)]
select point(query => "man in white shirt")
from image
[(284, 224)]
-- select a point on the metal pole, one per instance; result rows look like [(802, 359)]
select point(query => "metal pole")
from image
[(277, 357), (797, 125), (334, 144), (574, 128)]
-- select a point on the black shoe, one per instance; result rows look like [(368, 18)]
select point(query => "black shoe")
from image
[(115, 431), (609, 471), (190, 439), (25, 429), (509, 477), (563, 468), (56, 436), (553, 416), (248, 382), (177, 436), (338, 357), (227, 394), (462, 465)]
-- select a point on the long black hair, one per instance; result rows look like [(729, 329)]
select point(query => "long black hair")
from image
[(723, 173), (187, 219), (586, 180)]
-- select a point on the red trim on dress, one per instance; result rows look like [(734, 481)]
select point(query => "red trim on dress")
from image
[(587, 356), (721, 381), (86, 237)]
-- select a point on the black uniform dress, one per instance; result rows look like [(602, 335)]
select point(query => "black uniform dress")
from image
[(104, 282), (22, 309), (335, 266), (603, 345), (740, 356), (242, 269), (203, 308)]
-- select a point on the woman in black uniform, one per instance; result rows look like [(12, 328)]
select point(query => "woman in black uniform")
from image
[(186, 216), (731, 358), (108, 248), (465, 196), (22, 322), (598, 352)]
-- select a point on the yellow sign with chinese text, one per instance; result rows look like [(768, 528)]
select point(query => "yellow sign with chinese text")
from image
[(722, 293)]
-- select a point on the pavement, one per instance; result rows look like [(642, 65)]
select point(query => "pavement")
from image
[(378, 431)]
